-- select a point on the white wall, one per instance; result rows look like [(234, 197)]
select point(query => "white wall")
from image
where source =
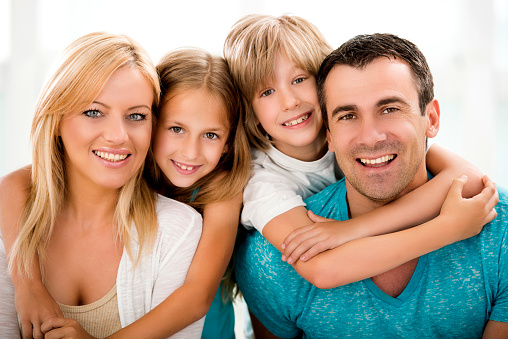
[(465, 41)]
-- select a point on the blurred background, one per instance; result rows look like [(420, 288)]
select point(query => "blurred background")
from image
[(465, 42)]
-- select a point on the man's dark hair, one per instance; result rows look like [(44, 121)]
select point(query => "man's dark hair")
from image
[(361, 50)]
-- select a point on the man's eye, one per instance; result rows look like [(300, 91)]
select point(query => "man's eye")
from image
[(267, 93), (211, 136), (92, 113), (390, 110), (347, 117), (176, 129)]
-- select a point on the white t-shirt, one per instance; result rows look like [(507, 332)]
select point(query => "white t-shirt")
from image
[(158, 274), (280, 183)]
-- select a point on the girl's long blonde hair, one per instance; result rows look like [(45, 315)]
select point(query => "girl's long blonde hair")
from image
[(191, 69), (86, 66)]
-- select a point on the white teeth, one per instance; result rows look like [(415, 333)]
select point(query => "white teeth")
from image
[(185, 168), (111, 156), (378, 160), (297, 121)]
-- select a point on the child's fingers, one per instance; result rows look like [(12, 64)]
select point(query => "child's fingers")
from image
[(457, 186), (314, 250), (304, 247), (27, 330), (491, 216), (294, 234), (297, 241), (316, 218)]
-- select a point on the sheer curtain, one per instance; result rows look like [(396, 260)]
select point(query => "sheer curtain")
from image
[(466, 44)]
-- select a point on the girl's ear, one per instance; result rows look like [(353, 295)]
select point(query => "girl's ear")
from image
[(225, 149)]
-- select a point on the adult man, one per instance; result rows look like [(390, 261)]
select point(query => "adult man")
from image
[(377, 99)]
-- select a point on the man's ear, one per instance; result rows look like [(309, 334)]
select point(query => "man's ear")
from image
[(329, 140), (433, 114)]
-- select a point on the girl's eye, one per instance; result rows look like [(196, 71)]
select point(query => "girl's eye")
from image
[(298, 80), (92, 113), (176, 129), (211, 136), (137, 116), (267, 93)]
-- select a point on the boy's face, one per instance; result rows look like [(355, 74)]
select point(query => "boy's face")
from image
[(288, 110)]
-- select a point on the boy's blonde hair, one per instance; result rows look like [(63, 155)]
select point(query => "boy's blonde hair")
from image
[(86, 66), (251, 48), (195, 69)]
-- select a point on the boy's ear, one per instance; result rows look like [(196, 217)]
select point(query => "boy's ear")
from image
[(433, 114)]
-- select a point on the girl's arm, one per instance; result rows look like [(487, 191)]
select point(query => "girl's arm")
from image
[(33, 302), (414, 208), (192, 300)]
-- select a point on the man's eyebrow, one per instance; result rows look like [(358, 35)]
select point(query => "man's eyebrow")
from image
[(345, 108), (391, 100)]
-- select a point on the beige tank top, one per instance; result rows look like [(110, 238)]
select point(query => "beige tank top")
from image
[(100, 318)]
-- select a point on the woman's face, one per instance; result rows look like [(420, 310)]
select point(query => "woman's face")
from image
[(191, 136), (106, 143)]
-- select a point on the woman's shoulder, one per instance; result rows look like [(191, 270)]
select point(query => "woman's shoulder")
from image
[(15, 186), (172, 214)]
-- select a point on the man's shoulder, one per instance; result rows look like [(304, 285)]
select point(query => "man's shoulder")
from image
[(330, 200)]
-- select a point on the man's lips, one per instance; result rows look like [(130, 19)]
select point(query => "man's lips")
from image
[(377, 162)]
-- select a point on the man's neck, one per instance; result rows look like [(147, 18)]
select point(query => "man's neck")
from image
[(359, 204)]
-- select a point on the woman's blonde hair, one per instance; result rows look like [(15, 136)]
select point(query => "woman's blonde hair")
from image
[(194, 69), (250, 50), (86, 66)]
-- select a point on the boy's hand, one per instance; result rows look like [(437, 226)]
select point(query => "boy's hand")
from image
[(64, 328), (468, 216), (307, 241), (34, 305)]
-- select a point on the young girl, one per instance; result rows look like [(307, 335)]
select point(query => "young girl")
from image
[(109, 248), (274, 62), (202, 158)]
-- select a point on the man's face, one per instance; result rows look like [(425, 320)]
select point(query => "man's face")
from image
[(377, 130)]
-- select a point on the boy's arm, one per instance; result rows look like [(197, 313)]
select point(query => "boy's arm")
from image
[(366, 257), (33, 302), (191, 301), (414, 208)]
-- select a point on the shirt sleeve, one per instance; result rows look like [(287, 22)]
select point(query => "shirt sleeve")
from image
[(266, 196), (175, 251), (9, 325), (500, 305)]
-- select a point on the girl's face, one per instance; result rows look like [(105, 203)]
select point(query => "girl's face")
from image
[(106, 144), (288, 109), (190, 136)]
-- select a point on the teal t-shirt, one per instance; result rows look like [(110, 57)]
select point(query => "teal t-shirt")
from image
[(453, 292)]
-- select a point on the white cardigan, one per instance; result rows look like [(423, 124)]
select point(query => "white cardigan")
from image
[(158, 273)]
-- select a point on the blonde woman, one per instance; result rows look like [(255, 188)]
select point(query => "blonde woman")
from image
[(109, 249)]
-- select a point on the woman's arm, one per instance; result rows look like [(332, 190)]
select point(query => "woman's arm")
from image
[(366, 257), (414, 208), (191, 301), (33, 302)]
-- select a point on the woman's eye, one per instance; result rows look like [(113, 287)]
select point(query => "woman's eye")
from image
[(92, 113), (176, 130), (210, 135), (137, 116), (267, 93)]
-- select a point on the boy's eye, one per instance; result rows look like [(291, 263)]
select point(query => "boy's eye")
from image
[(267, 93), (176, 129), (137, 116), (298, 80), (92, 113), (211, 136)]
